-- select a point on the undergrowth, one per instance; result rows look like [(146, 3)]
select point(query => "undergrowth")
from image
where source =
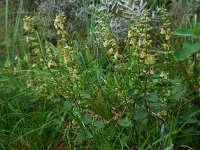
[(89, 90)]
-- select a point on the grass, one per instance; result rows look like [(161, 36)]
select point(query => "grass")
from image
[(76, 93)]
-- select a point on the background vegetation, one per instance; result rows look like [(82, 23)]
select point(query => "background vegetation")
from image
[(105, 75)]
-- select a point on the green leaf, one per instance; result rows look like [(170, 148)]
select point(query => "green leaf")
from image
[(81, 136), (192, 121), (197, 69), (178, 91), (68, 104), (196, 47), (131, 93), (99, 125), (187, 44), (181, 55), (191, 47), (183, 32), (124, 139), (197, 25), (126, 122), (152, 97), (87, 119), (4, 78), (196, 31), (75, 112), (140, 114), (86, 96)]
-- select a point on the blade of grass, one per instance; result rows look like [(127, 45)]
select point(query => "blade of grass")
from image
[(16, 31), (7, 36)]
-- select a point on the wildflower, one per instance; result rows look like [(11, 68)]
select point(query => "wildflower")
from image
[(141, 32), (165, 29), (144, 42), (28, 23), (26, 58), (67, 47), (105, 43), (129, 33), (117, 55), (52, 64), (162, 31), (162, 112), (110, 52), (140, 43), (16, 57), (168, 36), (149, 59), (166, 47), (59, 21), (149, 43), (132, 41), (28, 83), (151, 71), (27, 39), (108, 41), (59, 25), (164, 74), (142, 54)]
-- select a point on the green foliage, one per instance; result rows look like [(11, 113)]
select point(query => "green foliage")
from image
[(126, 122), (85, 92), (191, 46)]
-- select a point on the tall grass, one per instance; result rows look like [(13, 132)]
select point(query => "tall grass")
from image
[(11, 34)]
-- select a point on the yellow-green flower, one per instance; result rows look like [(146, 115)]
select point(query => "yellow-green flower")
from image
[(164, 74), (151, 71), (28, 24), (142, 54), (162, 31), (129, 33), (110, 52), (166, 47), (105, 43), (149, 59)]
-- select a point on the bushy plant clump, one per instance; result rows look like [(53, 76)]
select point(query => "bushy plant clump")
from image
[(102, 89)]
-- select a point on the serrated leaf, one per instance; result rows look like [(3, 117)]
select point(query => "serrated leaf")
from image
[(124, 139), (178, 91), (87, 119), (152, 97), (99, 125), (126, 122), (140, 114), (68, 104), (80, 137)]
